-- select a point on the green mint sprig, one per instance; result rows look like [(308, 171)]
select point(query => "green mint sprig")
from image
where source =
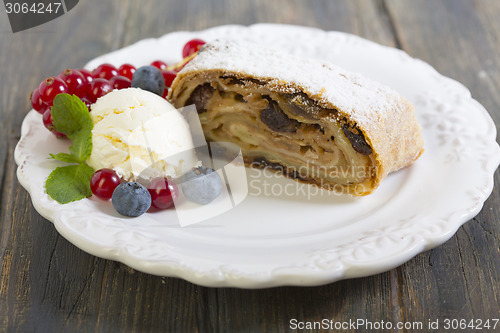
[(72, 182)]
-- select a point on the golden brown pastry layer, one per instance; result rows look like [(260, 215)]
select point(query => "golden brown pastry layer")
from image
[(251, 96)]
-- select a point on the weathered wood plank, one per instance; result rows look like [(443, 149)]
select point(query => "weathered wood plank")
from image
[(460, 279)]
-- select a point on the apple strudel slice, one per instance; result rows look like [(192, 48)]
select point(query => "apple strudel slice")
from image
[(308, 119)]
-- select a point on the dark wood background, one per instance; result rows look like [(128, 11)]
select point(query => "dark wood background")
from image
[(49, 285)]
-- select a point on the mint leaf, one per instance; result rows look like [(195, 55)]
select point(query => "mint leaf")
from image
[(71, 117), (64, 158), (69, 183)]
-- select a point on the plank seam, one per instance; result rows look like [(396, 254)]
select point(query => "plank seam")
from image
[(392, 23)]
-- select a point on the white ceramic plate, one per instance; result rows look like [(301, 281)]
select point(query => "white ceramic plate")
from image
[(276, 237)]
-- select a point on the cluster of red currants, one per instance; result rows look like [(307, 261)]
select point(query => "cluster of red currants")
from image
[(87, 85)]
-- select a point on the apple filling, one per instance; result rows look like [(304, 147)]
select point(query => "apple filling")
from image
[(285, 131)]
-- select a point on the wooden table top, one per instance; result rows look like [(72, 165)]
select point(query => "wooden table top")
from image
[(49, 285)]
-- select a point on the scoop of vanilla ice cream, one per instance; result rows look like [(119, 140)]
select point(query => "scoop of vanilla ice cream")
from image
[(138, 133)]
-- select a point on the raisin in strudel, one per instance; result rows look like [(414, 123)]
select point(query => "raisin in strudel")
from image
[(311, 120)]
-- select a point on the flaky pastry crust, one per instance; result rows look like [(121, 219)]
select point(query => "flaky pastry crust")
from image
[(328, 118)]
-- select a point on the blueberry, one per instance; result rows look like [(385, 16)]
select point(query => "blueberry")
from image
[(201, 185), (149, 78), (131, 199)]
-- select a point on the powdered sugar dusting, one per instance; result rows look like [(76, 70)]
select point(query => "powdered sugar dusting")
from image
[(364, 100)]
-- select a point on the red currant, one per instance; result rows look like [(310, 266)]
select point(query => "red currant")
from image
[(75, 81), (87, 74), (103, 183), (120, 82), (48, 122), (98, 88), (163, 192), (159, 64), (194, 45), (50, 88), (169, 77), (126, 70), (37, 102), (104, 71)]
